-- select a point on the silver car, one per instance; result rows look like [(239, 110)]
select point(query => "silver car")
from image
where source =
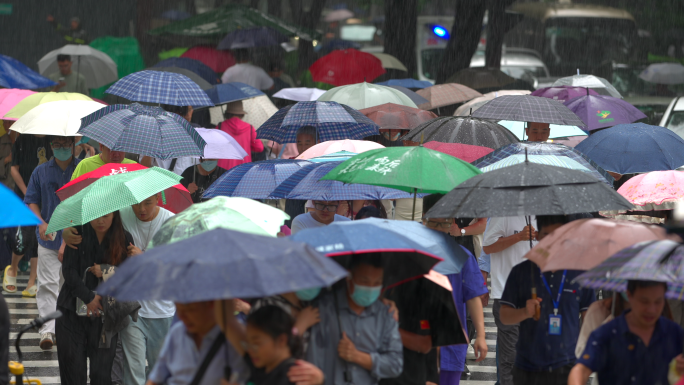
[(674, 116)]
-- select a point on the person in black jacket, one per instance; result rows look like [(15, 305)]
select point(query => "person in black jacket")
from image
[(104, 243)]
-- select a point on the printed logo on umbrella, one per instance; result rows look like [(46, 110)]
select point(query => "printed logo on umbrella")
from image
[(604, 116)]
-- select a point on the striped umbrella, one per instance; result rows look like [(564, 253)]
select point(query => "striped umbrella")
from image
[(551, 160), (160, 87)]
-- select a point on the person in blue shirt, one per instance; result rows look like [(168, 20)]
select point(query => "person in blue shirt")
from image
[(545, 351), (636, 347)]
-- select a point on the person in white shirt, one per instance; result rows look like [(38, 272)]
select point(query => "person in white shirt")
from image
[(507, 240), (245, 72), (323, 214)]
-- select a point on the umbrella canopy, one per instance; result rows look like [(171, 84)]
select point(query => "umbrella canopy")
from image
[(252, 37), (441, 95), (465, 130), (220, 145), (634, 148), (96, 66), (528, 189), (199, 269), (410, 169), (255, 180), (481, 77), (240, 214), (552, 160), (663, 73), (193, 65), (109, 194), (334, 44), (9, 98), (390, 62), (299, 94), (415, 98), (390, 116), (14, 211), (217, 60), (408, 83), (656, 190), (32, 101), (467, 108), (366, 95), (14, 74), (563, 93), (465, 152), (259, 109), (201, 83), (231, 92), (335, 146), (556, 130), (585, 243), (599, 111), (339, 156), (332, 121), (600, 85), (60, 118), (143, 130), (527, 108), (338, 15), (349, 66), (160, 87)]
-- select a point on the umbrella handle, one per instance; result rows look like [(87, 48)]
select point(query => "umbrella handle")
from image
[(537, 311)]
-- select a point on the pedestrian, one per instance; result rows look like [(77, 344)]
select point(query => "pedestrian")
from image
[(197, 179), (74, 35), (42, 199), (322, 215), (6, 143), (94, 162), (370, 212), (307, 137), (104, 242), (243, 133), (245, 72), (67, 79), (637, 346), (545, 352), (537, 132)]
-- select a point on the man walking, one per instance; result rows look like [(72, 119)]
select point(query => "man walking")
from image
[(322, 215), (67, 79), (245, 72)]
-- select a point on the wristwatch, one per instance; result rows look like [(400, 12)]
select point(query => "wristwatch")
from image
[(463, 232)]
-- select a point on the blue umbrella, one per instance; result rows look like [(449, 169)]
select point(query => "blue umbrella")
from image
[(14, 74), (334, 44), (14, 211), (160, 87), (199, 269), (305, 184), (412, 95), (407, 83), (231, 92), (252, 37), (636, 147), (196, 66)]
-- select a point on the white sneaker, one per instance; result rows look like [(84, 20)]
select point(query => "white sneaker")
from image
[(46, 341), (470, 353)]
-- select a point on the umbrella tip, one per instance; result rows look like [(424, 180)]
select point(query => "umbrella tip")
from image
[(526, 160), (578, 71), (471, 111)]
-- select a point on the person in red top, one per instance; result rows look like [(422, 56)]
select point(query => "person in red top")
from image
[(243, 133)]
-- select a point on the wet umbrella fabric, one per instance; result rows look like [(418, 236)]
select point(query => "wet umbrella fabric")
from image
[(231, 92), (467, 108), (441, 95), (465, 152), (408, 83), (656, 190), (600, 85), (36, 99), (481, 77), (14, 211), (60, 118), (251, 38), (366, 95), (201, 83), (15, 74), (557, 131), (390, 116), (193, 65), (415, 98), (9, 98), (217, 60), (199, 269), (552, 160), (160, 87), (97, 67), (563, 93), (465, 130), (663, 73), (599, 111), (299, 94), (343, 67), (352, 147), (527, 108)]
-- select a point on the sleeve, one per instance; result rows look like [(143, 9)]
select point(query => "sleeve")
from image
[(297, 224), (185, 177), (595, 351), (257, 144), (485, 262), (511, 294), (160, 373), (388, 361), (72, 277), (587, 297), (496, 228), (474, 284), (33, 189)]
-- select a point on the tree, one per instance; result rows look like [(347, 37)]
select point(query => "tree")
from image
[(400, 31), (498, 24), (465, 34), (308, 20)]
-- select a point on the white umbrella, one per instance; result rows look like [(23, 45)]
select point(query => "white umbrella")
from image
[(220, 145), (299, 94), (60, 118), (664, 73), (474, 104), (96, 66), (338, 15), (600, 85), (257, 109), (390, 62)]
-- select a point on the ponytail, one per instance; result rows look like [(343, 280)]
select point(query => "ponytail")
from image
[(275, 321)]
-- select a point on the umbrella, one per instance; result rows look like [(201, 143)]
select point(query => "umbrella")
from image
[(334, 44), (197, 79), (220, 145), (252, 37), (143, 130), (656, 190), (240, 214), (339, 156), (481, 77), (390, 116), (332, 121), (9, 98), (600, 85), (217, 60), (61, 118), (259, 109), (175, 198), (199, 269), (299, 94), (14, 74), (663, 73), (32, 101), (526, 108), (96, 66), (634, 148), (338, 15), (465, 152), (343, 67), (408, 249), (14, 211), (390, 62), (109, 194), (552, 160), (556, 130), (335, 146), (465, 130), (193, 65), (408, 83), (366, 95), (585, 243), (306, 184), (255, 180), (231, 92), (563, 93), (160, 87), (599, 111), (466, 109), (446, 94), (415, 98)]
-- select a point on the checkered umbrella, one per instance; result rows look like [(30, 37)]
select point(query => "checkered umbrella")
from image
[(143, 130), (160, 87), (333, 121), (464, 130), (446, 94), (527, 108)]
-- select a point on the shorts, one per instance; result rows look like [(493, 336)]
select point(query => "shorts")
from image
[(26, 242)]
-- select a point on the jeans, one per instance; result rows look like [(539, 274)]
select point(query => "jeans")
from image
[(447, 377), (50, 282), (506, 338), (142, 340)]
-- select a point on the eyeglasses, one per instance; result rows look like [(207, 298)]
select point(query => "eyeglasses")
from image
[(435, 225), (58, 146), (324, 207)]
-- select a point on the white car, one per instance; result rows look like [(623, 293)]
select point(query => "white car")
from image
[(674, 116)]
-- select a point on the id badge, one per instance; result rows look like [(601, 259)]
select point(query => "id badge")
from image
[(554, 325)]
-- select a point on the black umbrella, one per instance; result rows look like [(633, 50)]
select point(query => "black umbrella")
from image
[(464, 130), (528, 108), (411, 95)]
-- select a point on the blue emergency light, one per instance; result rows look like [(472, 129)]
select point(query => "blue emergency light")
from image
[(440, 31)]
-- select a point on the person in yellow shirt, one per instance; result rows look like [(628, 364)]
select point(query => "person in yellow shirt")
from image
[(94, 162)]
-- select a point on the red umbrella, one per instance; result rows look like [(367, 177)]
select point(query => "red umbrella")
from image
[(174, 199), (465, 152), (217, 60), (390, 116), (348, 66)]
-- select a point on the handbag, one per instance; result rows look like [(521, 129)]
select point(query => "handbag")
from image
[(82, 307)]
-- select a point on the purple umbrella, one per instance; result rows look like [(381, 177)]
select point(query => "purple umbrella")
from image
[(563, 93), (599, 111)]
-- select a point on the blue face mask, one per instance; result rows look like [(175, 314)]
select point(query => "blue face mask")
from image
[(365, 295), (62, 154), (209, 165), (308, 294)]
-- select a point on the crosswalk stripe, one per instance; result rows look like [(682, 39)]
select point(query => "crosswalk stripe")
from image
[(31, 349), (45, 380), (41, 364), (23, 311), (478, 382), (26, 336), (20, 300)]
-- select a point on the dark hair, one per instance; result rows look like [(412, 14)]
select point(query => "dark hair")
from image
[(632, 285), (275, 66), (241, 54), (430, 201), (550, 220), (369, 212), (62, 57), (307, 130), (373, 259), (275, 321), (52, 138), (114, 240), (178, 110), (227, 115)]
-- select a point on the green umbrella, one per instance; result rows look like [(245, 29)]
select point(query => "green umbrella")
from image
[(239, 214), (366, 95), (109, 194)]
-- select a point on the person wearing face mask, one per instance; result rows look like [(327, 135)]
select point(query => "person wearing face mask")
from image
[(357, 340), (198, 178)]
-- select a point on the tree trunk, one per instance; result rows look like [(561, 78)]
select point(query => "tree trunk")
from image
[(495, 33), (400, 31), (465, 34), (274, 8), (307, 20)]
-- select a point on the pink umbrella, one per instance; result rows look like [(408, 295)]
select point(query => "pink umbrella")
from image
[(583, 244), (9, 97), (466, 152), (332, 146), (656, 190)]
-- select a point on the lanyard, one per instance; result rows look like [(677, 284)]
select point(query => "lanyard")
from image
[(560, 291)]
